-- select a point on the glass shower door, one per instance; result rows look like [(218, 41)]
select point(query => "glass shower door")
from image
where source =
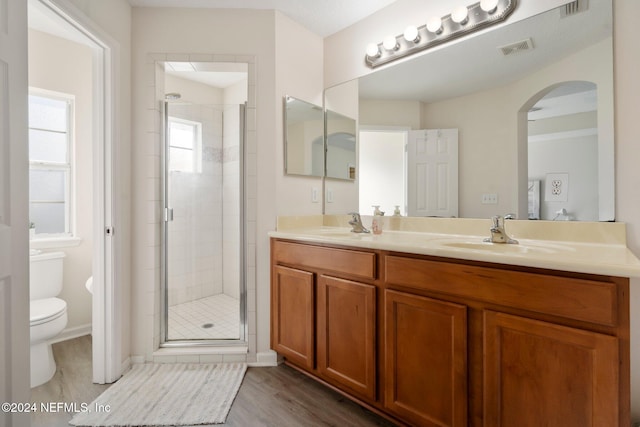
[(203, 217)]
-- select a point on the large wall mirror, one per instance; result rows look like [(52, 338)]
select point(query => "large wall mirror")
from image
[(533, 105), (304, 137), (341, 146)]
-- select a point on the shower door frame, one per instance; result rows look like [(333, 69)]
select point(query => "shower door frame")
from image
[(167, 217)]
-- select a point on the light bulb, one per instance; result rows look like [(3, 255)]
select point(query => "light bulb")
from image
[(390, 43), (411, 34), (460, 15), (434, 25), (489, 6), (372, 50)]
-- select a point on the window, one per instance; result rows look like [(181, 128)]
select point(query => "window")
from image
[(50, 162), (185, 145)]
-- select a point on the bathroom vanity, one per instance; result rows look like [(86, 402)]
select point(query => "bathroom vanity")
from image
[(444, 329)]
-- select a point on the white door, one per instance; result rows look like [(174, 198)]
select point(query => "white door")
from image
[(14, 213), (432, 160)]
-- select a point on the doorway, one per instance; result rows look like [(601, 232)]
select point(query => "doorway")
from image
[(383, 170), (91, 155), (204, 292)]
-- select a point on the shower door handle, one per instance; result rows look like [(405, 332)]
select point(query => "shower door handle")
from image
[(168, 214)]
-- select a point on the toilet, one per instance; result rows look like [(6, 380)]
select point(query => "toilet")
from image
[(48, 314)]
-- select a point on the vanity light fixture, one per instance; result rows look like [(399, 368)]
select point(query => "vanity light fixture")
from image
[(411, 34), (462, 20), (460, 15), (434, 25), (372, 50), (391, 43), (489, 6)]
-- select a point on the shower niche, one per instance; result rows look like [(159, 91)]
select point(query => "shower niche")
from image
[(202, 260)]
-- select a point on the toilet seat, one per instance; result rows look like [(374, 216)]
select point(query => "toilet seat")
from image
[(45, 310)]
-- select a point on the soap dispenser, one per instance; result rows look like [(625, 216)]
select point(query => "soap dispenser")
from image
[(378, 220), (396, 211)]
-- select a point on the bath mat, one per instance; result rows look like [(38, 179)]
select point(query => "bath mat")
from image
[(181, 394)]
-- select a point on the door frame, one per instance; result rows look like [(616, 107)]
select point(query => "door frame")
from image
[(400, 130), (14, 213), (107, 298)]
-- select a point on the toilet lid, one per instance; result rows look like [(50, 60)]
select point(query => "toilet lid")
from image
[(44, 310)]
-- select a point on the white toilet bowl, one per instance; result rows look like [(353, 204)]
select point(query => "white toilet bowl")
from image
[(47, 314), (48, 318)]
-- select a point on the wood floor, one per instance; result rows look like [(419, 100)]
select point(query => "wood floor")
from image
[(278, 396)]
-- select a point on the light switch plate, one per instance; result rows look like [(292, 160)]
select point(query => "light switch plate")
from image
[(329, 195)]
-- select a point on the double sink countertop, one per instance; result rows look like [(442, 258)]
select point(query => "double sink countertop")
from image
[(582, 247)]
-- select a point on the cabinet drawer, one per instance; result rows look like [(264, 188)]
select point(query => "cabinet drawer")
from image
[(352, 262), (580, 299)]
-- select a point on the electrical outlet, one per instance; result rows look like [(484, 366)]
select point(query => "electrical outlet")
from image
[(489, 199), (314, 195)]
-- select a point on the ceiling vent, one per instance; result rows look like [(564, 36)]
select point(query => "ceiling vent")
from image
[(573, 8), (513, 48)]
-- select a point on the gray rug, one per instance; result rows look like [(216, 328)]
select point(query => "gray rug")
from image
[(166, 395)]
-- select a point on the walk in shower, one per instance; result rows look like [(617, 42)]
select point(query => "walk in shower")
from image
[(204, 293)]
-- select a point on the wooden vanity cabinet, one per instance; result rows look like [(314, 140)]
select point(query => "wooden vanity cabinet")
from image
[(346, 334), (323, 317), (539, 373), (425, 369), (293, 315), (543, 347), (432, 341)]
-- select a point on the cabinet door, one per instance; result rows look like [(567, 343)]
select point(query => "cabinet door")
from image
[(425, 360), (541, 374), (292, 315), (346, 334)]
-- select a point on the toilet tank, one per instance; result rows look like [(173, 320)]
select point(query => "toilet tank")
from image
[(45, 274)]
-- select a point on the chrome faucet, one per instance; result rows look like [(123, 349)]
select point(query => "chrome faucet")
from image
[(356, 223), (498, 233)]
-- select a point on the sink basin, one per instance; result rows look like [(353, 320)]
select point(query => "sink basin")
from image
[(500, 247)]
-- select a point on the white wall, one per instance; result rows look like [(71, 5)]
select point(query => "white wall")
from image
[(51, 61), (555, 147), (376, 112), (577, 157), (627, 106), (298, 69)]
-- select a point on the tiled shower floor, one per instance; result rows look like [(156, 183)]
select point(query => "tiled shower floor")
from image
[(214, 317)]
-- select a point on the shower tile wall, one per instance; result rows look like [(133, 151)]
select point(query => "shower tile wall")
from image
[(231, 206), (195, 235)]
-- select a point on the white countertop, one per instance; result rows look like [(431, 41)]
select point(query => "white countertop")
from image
[(605, 256)]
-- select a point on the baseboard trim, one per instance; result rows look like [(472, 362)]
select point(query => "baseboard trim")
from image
[(264, 359), (125, 365), (136, 360), (71, 333)]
